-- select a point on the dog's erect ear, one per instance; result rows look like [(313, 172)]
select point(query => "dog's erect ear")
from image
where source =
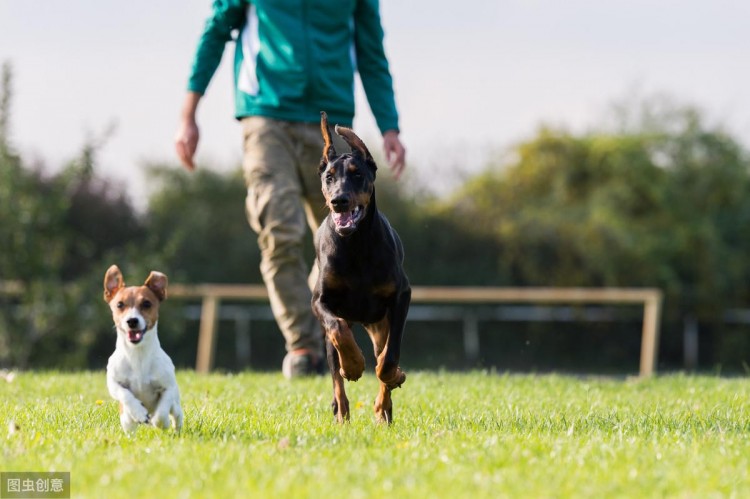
[(157, 282), (329, 152), (358, 147), (112, 282)]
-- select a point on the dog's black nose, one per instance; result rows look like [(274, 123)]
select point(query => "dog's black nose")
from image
[(340, 203), (133, 323)]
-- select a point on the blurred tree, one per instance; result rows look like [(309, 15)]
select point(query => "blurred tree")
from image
[(440, 249), (196, 222), (55, 234), (663, 200), (30, 209), (6, 94)]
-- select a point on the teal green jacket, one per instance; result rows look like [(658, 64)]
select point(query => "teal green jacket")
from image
[(296, 58)]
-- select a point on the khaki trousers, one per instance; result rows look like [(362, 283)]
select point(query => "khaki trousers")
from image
[(283, 201)]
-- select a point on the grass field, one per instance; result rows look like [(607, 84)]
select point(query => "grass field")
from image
[(454, 435)]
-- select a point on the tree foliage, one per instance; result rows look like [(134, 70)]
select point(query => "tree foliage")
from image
[(196, 222), (55, 232), (661, 205)]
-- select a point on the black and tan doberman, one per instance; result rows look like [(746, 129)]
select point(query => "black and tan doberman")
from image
[(361, 276)]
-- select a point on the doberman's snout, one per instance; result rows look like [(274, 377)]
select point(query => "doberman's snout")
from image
[(133, 323), (340, 204)]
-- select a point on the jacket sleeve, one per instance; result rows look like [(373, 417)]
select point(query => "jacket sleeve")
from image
[(372, 64), (227, 16)]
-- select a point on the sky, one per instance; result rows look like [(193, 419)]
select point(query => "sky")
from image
[(471, 78)]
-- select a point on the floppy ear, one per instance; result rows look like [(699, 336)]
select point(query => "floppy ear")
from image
[(112, 283), (358, 147), (329, 152), (157, 282)]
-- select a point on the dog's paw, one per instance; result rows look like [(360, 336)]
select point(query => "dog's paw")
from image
[(127, 423), (341, 409), (352, 375), (383, 408), (160, 420), (352, 364), (176, 417), (392, 378), (138, 413), (176, 423), (351, 359)]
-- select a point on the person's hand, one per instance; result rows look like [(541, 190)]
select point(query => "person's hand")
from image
[(186, 139), (395, 154), (186, 142)]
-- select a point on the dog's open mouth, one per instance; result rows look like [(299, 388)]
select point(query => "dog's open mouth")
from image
[(346, 222), (135, 335)]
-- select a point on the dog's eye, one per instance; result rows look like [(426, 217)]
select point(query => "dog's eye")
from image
[(146, 304), (120, 305), (329, 178)]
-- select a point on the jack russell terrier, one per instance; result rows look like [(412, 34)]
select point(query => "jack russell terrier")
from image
[(140, 375)]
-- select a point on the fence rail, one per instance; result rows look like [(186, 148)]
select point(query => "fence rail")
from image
[(211, 296)]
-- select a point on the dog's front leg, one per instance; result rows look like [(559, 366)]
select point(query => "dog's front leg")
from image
[(132, 411), (340, 402), (388, 370), (379, 333), (168, 405), (383, 405), (175, 414), (351, 359), (339, 334)]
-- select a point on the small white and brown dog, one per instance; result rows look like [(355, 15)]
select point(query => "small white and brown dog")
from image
[(140, 375)]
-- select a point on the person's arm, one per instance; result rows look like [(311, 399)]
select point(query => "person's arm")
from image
[(377, 82), (227, 16)]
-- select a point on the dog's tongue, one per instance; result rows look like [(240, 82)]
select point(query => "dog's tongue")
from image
[(343, 219), (135, 335)]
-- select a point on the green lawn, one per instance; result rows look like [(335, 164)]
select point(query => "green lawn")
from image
[(454, 435)]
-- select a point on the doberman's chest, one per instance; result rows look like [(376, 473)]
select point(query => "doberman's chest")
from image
[(359, 299)]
